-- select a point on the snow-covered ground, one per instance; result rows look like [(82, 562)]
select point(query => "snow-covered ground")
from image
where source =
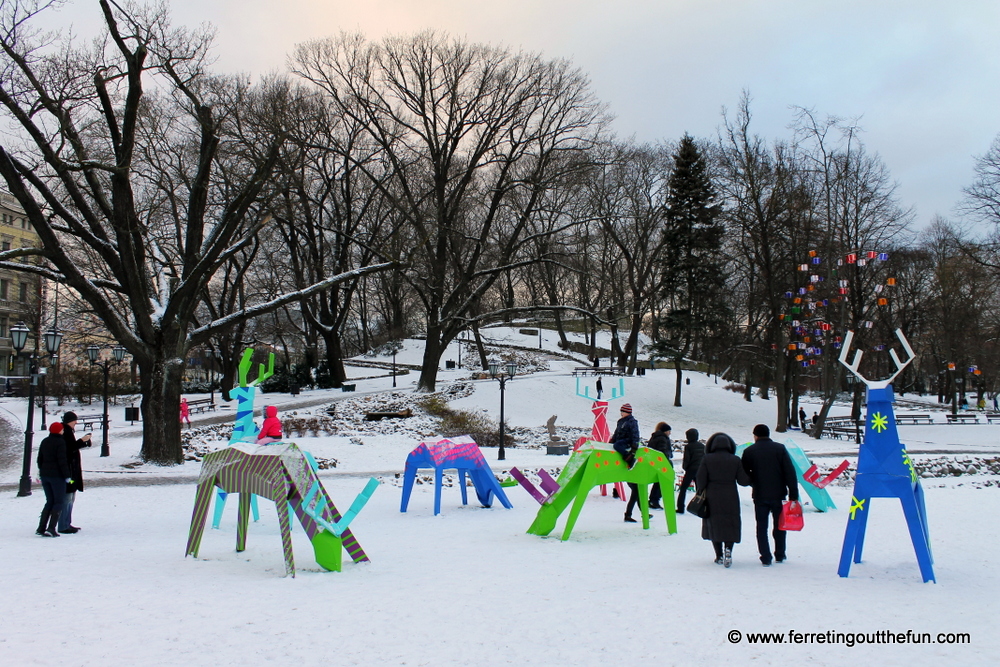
[(470, 586)]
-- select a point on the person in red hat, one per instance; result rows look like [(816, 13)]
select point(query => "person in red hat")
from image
[(53, 469)]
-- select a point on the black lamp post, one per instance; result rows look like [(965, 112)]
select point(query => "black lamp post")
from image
[(502, 378), (19, 338), (211, 376), (93, 352), (394, 368)]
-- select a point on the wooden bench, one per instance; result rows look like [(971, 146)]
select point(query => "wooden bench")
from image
[(201, 405), (87, 422), (598, 370), (992, 417), (913, 419), (967, 418), (379, 416)]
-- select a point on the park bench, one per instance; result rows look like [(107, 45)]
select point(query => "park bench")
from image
[(87, 422), (201, 405), (992, 417), (598, 370), (913, 419), (967, 418), (847, 432)]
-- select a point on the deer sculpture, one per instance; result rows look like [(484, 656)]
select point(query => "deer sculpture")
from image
[(884, 468)]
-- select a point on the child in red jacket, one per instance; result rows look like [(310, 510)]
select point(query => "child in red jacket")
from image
[(271, 430)]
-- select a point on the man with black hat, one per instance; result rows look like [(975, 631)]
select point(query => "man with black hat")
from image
[(625, 441), (73, 447), (772, 476)]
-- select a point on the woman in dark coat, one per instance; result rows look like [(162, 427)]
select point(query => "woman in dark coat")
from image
[(720, 471), (660, 441)]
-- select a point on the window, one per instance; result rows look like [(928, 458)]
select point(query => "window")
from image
[(23, 293), (4, 288), (24, 224), (3, 327), (5, 245)]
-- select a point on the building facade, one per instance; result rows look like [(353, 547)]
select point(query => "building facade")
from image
[(21, 293)]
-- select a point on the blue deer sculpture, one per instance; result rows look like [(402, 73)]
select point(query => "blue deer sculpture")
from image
[(884, 468)]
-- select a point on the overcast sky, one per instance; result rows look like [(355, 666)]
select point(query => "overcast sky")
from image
[(923, 75)]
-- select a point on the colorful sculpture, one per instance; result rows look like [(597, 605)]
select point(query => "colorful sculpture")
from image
[(244, 428), (884, 469), (281, 473), (461, 453), (808, 475), (600, 431), (596, 463)]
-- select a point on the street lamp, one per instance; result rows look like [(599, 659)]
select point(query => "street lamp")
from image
[(502, 378), (211, 376), (393, 367), (93, 352), (52, 340), (19, 338)]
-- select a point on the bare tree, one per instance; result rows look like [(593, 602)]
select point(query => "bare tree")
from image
[(138, 238), (474, 135)]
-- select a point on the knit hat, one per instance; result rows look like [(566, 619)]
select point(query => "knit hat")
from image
[(69, 417), (627, 408), (55, 428), (692, 435), (761, 431)]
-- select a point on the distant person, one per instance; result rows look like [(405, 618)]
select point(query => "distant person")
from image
[(964, 403), (600, 388), (660, 441), (996, 404), (73, 447), (185, 411), (802, 419), (625, 440), (719, 473), (694, 452), (271, 430), (597, 362), (53, 469), (981, 404), (772, 477)]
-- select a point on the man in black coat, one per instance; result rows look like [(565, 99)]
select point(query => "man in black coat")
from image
[(772, 477), (53, 469), (73, 447)]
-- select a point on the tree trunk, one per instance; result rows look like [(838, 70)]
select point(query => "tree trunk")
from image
[(433, 349), (160, 382), (484, 362)]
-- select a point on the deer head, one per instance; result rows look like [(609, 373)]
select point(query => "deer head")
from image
[(853, 366)]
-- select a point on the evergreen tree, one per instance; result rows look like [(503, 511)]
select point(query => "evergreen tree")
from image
[(693, 274)]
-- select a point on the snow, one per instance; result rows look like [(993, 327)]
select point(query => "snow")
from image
[(470, 586)]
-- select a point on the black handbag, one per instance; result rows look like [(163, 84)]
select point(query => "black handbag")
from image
[(699, 504)]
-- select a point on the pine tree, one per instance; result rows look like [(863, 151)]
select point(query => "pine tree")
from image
[(693, 274)]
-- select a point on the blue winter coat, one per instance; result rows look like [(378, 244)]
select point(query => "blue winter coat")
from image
[(626, 436)]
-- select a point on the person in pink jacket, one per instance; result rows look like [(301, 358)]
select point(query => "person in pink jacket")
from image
[(271, 430), (185, 411)]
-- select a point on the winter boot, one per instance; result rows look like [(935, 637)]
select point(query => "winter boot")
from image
[(727, 557)]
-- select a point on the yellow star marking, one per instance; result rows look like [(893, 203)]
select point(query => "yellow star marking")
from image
[(879, 422), (909, 463), (857, 505)]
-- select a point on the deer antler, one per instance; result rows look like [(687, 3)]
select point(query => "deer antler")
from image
[(853, 366)]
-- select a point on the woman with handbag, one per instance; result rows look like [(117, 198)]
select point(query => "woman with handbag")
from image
[(720, 471)]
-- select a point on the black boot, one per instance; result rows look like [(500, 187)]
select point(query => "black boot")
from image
[(43, 523)]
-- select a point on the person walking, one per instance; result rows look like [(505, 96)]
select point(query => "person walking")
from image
[(802, 419), (53, 469), (73, 447), (694, 452), (772, 477), (185, 411), (660, 441), (625, 440), (719, 473)]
